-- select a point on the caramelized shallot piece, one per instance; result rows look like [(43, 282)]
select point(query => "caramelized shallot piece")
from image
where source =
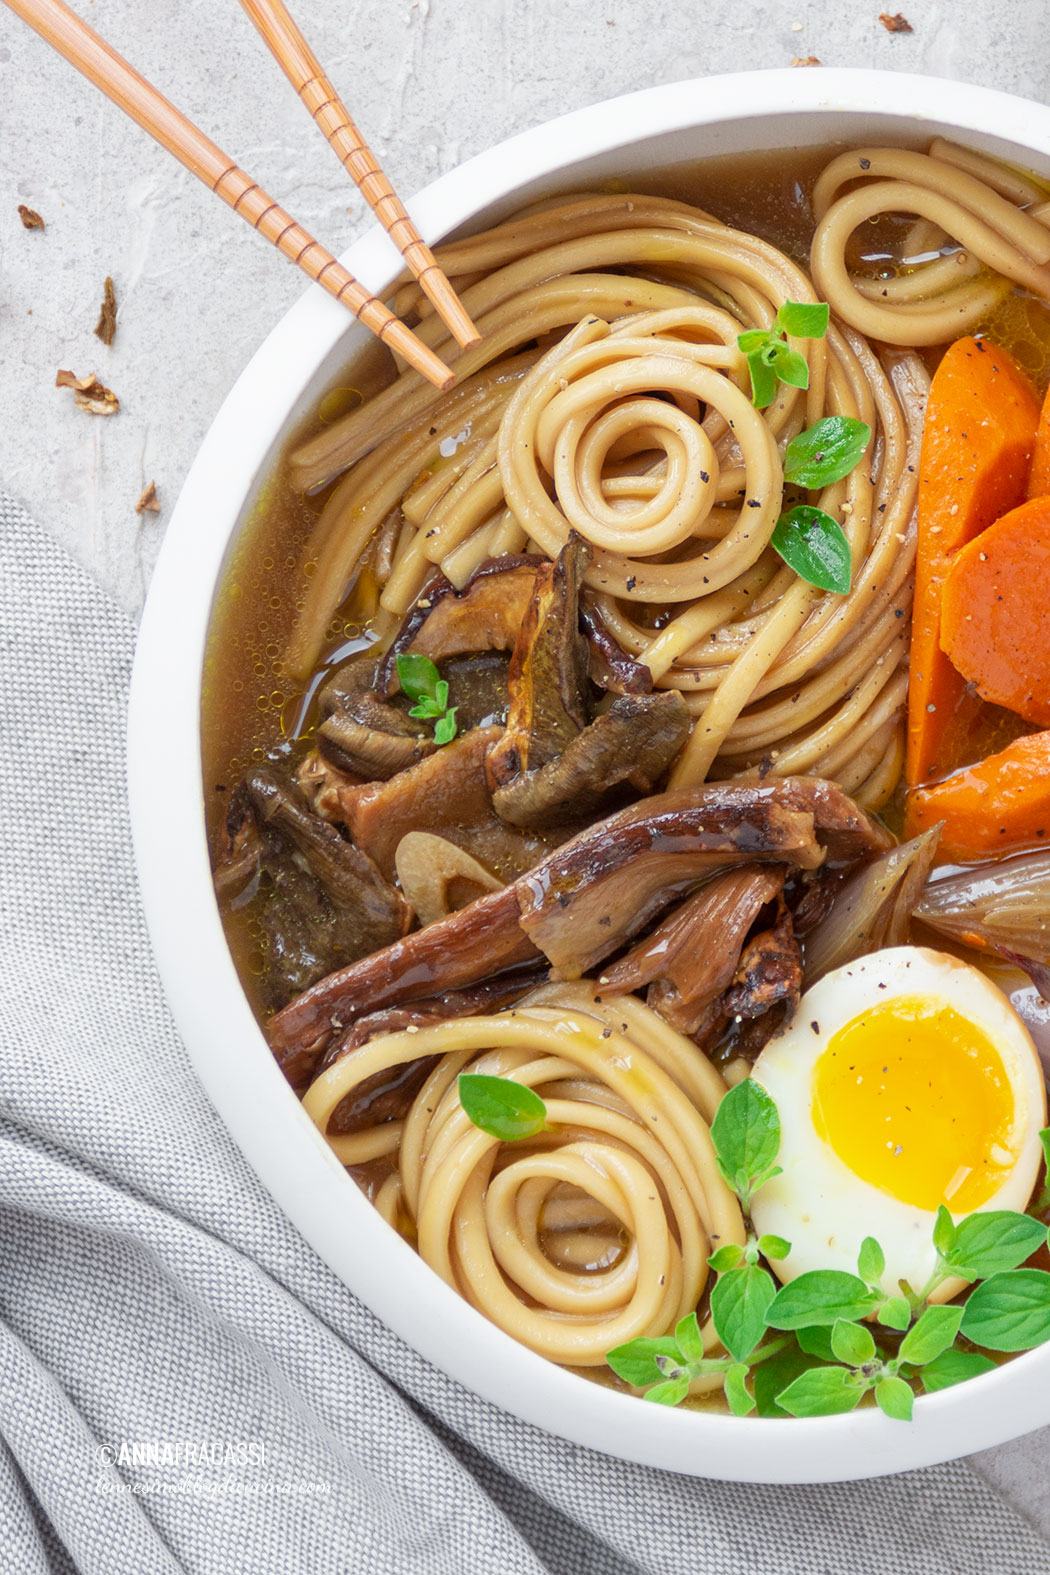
[(1003, 905), (437, 877), (873, 908)]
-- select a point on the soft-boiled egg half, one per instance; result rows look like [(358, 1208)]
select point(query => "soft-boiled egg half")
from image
[(906, 1080)]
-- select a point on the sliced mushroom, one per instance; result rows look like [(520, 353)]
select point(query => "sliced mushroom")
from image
[(696, 949), (768, 975), (485, 616), (630, 746), (548, 671), (610, 666), (363, 734), (322, 903)]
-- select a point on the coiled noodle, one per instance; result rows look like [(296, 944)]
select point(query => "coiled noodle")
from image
[(625, 1175)]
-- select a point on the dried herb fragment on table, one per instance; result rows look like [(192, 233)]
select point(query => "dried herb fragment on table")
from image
[(895, 23), (148, 501), (106, 326), (31, 220), (89, 393), (806, 60)]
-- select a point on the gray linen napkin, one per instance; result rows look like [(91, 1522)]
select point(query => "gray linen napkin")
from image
[(152, 1293)]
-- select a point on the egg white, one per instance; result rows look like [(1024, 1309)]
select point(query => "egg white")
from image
[(818, 1203)]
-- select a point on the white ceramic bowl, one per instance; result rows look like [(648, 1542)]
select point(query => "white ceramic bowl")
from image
[(651, 129)]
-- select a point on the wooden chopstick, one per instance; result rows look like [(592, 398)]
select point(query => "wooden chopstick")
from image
[(303, 70), (83, 48)]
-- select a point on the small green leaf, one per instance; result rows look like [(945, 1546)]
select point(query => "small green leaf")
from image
[(816, 1341), (728, 1257), (763, 380), (871, 1261), (635, 1362), (804, 319), (1010, 1311), (790, 366), (502, 1108), (673, 1392), (988, 1243), (895, 1313), (445, 728), (772, 1377), (954, 1367), (932, 1335), (823, 1391), (741, 1403), (1044, 1138), (821, 1297), (943, 1232), (441, 694), (825, 452), (690, 1341), (851, 1343), (738, 1307), (894, 1397), (773, 1247), (746, 1136), (811, 543), (753, 339), (417, 675)]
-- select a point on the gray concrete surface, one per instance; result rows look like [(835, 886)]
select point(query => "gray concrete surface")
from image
[(430, 82)]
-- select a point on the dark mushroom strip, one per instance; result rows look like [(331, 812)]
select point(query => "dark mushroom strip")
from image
[(484, 616), (362, 734), (323, 904), (471, 944), (580, 903), (769, 973), (630, 746), (703, 1022), (548, 671), (696, 949), (610, 666)]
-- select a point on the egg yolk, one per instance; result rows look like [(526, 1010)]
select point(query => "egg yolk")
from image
[(915, 1100)]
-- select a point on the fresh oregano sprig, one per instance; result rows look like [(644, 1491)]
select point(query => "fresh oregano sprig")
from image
[(421, 682), (834, 1337), (770, 359)]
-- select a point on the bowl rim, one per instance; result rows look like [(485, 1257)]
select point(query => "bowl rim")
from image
[(226, 1045)]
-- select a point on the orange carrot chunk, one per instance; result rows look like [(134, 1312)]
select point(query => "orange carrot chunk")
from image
[(997, 807), (977, 442), (1039, 475), (995, 611)]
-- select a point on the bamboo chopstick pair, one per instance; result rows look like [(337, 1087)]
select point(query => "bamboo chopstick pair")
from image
[(83, 48)]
